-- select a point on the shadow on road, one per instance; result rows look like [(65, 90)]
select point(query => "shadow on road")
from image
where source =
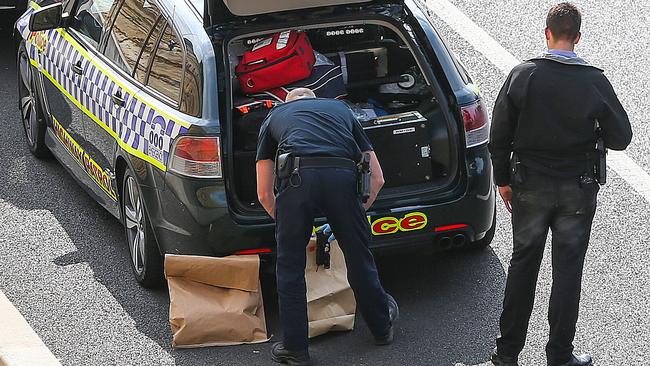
[(449, 302)]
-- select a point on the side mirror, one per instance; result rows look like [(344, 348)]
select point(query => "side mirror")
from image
[(47, 17)]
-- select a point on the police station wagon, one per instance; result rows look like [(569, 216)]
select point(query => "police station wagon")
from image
[(140, 101)]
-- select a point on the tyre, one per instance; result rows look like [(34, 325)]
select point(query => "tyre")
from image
[(489, 235), (31, 111), (146, 261)]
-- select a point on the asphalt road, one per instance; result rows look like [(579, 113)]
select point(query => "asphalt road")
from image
[(64, 265)]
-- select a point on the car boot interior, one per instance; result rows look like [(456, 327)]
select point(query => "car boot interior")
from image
[(372, 69)]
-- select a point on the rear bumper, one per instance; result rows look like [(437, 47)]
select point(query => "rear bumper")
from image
[(467, 218), (450, 225), (191, 216)]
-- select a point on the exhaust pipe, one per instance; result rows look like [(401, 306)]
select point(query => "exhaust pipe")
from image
[(445, 242), (459, 240)]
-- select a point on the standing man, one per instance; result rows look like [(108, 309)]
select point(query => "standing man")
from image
[(324, 141), (543, 150)]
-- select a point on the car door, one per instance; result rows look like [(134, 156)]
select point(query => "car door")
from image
[(64, 55), (67, 62), (139, 82)]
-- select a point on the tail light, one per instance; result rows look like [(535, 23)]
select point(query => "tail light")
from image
[(197, 157), (477, 124), (254, 251), (450, 227)]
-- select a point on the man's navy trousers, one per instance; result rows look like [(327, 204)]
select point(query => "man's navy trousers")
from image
[(331, 192)]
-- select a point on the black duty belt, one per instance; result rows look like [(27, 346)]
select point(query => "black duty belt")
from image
[(326, 162), (288, 167)]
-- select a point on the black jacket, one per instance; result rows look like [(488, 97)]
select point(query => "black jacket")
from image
[(546, 113)]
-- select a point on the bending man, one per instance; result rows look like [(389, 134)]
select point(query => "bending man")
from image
[(325, 142)]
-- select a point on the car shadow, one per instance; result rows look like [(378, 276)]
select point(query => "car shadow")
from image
[(449, 302)]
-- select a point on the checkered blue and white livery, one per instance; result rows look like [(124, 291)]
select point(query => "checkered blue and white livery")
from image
[(136, 125)]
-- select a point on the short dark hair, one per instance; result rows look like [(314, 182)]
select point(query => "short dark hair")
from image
[(564, 21)]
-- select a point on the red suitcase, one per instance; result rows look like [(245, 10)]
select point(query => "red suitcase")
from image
[(326, 81), (285, 58)]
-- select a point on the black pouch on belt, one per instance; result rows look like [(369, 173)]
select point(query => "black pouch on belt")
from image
[(287, 167), (363, 178), (284, 165)]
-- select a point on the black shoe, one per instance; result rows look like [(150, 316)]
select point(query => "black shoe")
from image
[(393, 309), (582, 360), (500, 360), (281, 355), (393, 316)]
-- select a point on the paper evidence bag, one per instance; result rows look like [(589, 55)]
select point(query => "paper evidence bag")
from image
[(330, 301), (215, 301)]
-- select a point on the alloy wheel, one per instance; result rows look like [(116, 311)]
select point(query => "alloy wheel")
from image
[(135, 224), (28, 103)]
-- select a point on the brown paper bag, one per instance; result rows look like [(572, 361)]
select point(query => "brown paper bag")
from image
[(330, 300), (215, 301)]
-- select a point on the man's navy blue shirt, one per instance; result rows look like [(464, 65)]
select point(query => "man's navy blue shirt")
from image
[(312, 127)]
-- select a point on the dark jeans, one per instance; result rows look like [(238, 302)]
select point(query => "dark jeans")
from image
[(567, 208), (332, 192)]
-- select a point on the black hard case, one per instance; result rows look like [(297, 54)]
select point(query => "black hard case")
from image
[(402, 143)]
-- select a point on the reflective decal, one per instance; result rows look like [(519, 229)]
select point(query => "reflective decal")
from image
[(283, 39), (89, 165), (39, 40), (262, 43), (392, 225), (413, 221), (385, 225)]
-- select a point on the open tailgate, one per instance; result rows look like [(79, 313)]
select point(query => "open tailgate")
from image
[(217, 11)]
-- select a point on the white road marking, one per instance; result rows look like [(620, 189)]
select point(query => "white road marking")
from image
[(475, 35), (629, 170), (19, 344), (618, 161)]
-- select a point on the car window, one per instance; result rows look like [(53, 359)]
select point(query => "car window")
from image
[(148, 50), (192, 83), (167, 69), (133, 23), (90, 19)]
